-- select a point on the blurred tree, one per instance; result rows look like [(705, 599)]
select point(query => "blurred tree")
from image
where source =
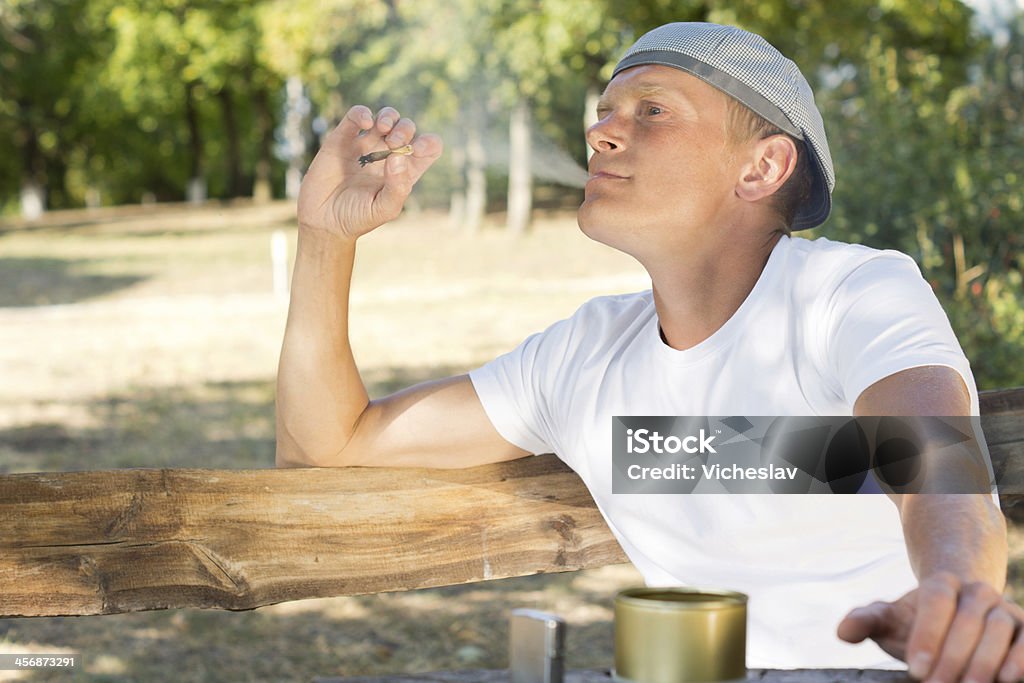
[(305, 42), (974, 247), (180, 63), (46, 48)]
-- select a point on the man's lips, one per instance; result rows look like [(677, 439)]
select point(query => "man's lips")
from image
[(607, 175)]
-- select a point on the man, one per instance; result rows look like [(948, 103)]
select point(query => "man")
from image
[(707, 151)]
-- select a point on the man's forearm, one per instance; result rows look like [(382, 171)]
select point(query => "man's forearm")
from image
[(320, 395), (964, 534)]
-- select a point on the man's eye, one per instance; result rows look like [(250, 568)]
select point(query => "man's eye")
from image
[(653, 110)]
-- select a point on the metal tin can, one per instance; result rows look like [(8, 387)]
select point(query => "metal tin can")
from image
[(680, 635)]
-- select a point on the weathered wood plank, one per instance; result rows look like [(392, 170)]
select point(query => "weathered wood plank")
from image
[(1002, 401), (604, 675), (1002, 420), (104, 542)]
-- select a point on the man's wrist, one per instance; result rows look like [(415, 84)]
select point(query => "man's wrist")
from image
[(312, 238)]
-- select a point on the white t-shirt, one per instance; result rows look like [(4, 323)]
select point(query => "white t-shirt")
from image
[(824, 321)]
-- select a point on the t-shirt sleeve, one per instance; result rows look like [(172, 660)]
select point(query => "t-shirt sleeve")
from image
[(514, 389), (883, 318)]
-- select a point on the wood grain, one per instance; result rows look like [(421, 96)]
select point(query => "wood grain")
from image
[(105, 542)]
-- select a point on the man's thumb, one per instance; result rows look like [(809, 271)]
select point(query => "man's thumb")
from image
[(863, 622)]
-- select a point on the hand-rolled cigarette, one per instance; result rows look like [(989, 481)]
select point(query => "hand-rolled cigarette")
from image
[(383, 154)]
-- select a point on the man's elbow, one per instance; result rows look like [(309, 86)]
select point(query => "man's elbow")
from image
[(295, 457), (284, 458), (302, 443), (291, 452), (288, 454)]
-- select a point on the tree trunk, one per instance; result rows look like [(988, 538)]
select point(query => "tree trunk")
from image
[(457, 206), (262, 190), (234, 158), (196, 191), (476, 176), (295, 138), (520, 176), (33, 199), (33, 168)]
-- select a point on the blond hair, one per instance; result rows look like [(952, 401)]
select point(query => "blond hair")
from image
[(744, 125)]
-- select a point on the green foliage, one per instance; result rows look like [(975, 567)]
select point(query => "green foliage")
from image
[(989, 322), (93, 94), (48, 52)]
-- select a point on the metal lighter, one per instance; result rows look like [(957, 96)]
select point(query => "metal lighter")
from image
[(536, 646)]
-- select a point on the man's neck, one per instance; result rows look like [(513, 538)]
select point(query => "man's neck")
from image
[(695, 294)]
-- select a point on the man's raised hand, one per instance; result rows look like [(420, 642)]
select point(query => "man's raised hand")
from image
[(348, 200)]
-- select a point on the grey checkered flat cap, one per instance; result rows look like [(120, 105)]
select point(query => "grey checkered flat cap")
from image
[(748, 68)]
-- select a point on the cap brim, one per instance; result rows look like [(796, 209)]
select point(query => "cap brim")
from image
[(816, 209)]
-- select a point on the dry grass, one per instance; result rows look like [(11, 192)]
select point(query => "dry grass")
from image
[(150, 338), (444, 628)]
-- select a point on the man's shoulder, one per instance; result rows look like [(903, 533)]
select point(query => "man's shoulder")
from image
[(614, 310), (821, 262), (602, 317), (617, 304)]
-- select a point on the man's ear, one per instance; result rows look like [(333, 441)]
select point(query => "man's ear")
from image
[(772, 162)]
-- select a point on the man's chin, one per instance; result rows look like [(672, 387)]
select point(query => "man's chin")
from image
[(597, 230), (586, 220)]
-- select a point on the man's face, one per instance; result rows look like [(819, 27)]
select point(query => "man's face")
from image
[(664, 169)]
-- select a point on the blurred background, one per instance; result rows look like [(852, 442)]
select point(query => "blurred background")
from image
[(106, 103), (150, 153)]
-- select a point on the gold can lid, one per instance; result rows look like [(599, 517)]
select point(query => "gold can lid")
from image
[(678, 598)]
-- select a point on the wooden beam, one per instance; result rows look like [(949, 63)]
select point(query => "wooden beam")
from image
[(105, 542), (1002, 420)]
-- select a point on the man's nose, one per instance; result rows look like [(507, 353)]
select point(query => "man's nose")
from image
[(606, 135)]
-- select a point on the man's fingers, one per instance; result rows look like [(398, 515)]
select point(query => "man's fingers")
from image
[(401, 134), (357, 119), (386, 120), (397, 186), (936, 607), (965, 633), (976, 600), (425, 151), (427, 146), (863, 622), (949, 625), (993, 646), (1012, 670), (401, 173)]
